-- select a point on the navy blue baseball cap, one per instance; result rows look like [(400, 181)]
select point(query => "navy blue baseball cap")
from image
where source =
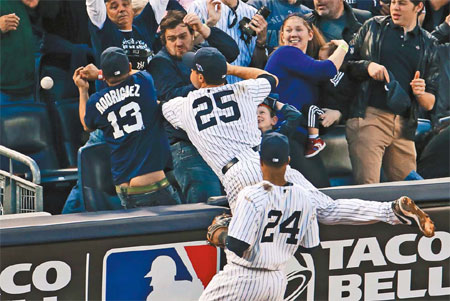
[(274, 149), (209, 62), (114, 62)]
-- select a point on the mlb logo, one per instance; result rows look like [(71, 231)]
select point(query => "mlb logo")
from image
[(179, 271)]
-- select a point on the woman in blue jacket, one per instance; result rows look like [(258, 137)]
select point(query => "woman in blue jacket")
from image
[(299, 77)]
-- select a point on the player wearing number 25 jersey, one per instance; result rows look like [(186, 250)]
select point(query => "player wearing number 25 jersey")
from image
[(221, 121), (130, 118), (271, 220)]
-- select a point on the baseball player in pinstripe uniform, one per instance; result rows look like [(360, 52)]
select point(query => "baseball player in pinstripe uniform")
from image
[(271, 220), (221, 121)]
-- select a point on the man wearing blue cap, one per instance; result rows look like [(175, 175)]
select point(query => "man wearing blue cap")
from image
[(220, 120), (127, 113), (271, 220), (255, 258)]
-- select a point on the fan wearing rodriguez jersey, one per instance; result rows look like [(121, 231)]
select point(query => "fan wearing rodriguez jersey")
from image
[(129, 116)]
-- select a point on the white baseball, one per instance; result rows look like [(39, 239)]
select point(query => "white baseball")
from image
[(47, 83)]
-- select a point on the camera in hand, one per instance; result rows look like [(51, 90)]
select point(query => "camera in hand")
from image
[(244, 24)]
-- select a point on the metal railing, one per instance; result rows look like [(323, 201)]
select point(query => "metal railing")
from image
[(18, 195)]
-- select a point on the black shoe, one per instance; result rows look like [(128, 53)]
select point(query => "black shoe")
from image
[(409, 213)]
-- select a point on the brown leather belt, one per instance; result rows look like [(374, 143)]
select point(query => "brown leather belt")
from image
[(143, 189)]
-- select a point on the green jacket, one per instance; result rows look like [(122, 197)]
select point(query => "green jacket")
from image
[(17, 49)]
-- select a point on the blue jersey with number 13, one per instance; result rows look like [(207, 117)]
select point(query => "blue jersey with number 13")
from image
[(131, 121)]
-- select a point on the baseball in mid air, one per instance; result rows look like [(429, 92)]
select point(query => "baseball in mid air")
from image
[(47, 83)]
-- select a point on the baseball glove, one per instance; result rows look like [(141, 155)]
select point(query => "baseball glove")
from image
[(218, 226)]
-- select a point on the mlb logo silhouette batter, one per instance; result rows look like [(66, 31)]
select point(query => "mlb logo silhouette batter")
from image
[(163, 272)]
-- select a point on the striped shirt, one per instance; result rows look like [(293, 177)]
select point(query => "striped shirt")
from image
[(221, 122), (226, 19), (274, 221)]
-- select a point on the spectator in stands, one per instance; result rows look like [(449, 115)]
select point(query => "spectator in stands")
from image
[(374, 6), (435, 13), (279, 10), (442, 107), (127, 112), (336, 19), (112, 23), (17, 51), (227, 15), (378, 133), (296, 69), (434, 161), (268, 119), (68, 21), (172, 79)]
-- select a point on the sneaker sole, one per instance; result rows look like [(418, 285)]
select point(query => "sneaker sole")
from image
[(410, 209), (317, 151)]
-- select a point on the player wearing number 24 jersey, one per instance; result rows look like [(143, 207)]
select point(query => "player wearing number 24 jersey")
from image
[(129, 116), (271, 220)]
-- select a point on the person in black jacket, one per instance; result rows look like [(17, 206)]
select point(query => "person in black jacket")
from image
[(336, 19), (172, 79), (378, 134)]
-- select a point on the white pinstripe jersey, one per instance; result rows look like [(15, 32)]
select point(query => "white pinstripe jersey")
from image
[(226, 18), (221, 122), (274, 221)]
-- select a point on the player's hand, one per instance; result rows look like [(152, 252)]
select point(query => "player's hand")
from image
[(214, 8), (218, 229), (378, 72), (89, 72), (81, 83), (259, 25), (9, 22), (447, 20), (330, 117), (31, 3), (418, 85), (193, 21)]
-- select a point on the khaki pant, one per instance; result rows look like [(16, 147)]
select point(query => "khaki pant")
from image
[(376, 141)]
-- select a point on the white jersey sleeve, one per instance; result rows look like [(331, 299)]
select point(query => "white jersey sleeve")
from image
[(172, 111), (259, 89), (96, 10), (246, 220), (311, 237), (199, 8)]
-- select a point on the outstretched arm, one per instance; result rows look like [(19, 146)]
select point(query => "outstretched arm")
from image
[(83, 88), (248, 72), (96, 10)]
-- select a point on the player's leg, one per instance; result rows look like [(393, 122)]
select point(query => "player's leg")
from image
[(240, 283), (357, 212), (244, 173)]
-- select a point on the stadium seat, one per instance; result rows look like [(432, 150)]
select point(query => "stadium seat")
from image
[(62, 101), (95, 178), (71, 134), (336, 158), (26, 128)]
